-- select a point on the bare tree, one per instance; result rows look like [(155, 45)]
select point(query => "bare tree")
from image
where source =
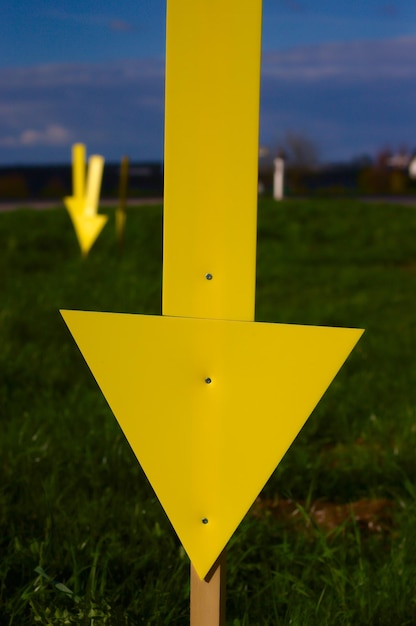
[(300, 151)]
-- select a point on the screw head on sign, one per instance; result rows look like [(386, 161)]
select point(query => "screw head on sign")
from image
[(204, 520), (208, 276), (208, 381)]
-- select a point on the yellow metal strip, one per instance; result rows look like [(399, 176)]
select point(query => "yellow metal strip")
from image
[(121, 209), (211, 153), (78, 170), (94, 177)]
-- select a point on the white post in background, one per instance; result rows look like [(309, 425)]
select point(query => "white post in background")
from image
[(412, 167), (278, 178)]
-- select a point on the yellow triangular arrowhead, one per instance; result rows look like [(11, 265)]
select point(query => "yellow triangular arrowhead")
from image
[(87, 227), (208, 448)]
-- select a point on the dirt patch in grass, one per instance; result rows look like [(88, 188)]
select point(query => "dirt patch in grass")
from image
[(371, 515)]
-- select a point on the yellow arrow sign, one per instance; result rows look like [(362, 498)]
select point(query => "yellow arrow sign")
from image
[(82, 206), (196, 392), (197, 398)]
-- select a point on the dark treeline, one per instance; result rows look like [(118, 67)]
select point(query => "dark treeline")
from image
[(341, 180), (42, 182)]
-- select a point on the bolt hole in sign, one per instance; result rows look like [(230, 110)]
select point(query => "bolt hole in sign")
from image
[(208, 399)]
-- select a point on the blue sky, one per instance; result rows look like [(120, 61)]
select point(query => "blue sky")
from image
[(340, 72)]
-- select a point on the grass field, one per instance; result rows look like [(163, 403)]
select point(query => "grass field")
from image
[(332, 539)]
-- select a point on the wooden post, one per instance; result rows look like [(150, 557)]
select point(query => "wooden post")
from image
[(208, 595)]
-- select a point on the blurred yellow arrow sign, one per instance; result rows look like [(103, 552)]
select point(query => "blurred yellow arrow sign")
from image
[(208, 399), (82, 206)]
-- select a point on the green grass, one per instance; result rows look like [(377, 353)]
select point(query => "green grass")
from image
[(83, 539)]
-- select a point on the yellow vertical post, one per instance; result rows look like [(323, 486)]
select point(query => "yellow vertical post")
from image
[(124, 176), (78, 170), (121, 209), (210, 198), (92, 191), (211, 155)]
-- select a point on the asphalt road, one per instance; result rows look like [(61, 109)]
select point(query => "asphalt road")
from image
[(36, 205), (53, 204)]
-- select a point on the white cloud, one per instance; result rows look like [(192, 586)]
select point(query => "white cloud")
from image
[(52, 135), (55, 75), (349, 97), (349, 61), (115, 108), (120, 26), (92, 19)]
